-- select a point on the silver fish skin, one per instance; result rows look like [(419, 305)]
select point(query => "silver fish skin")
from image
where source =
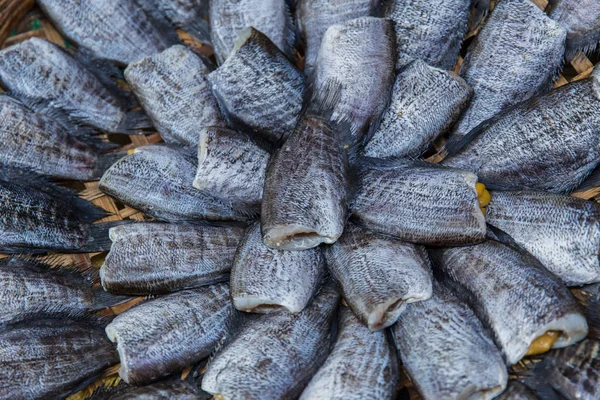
[(281, 350), (516, 55), (425, 102), (581, 19), (517, 391), (115, 30), (156, 258), (429, 30), (378, 275), (446, 351), (173, 89), (563, 124), (305, 194), (228, 18), (361, 365), (354, 72), (562, 232), (264, 280), (231, 165), (189, 15), (157, 180), (48, 359), (418, 202), (514, 296), (164, 335), (258, 89)]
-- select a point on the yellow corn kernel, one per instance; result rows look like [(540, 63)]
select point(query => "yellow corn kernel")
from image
[(543, 343), (130, 151), (483, 196)]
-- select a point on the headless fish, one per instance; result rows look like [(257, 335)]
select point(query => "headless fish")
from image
[(581, 19)]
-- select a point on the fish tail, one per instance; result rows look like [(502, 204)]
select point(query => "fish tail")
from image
[(102, 299), (105, 161), (134, 122), (99, 239)]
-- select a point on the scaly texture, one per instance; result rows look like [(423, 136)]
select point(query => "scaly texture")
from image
[(153, 258), (265, 280), (172, 389), (167, 334), (189, 15), (581, 19), (562, 232), (517, 55), (517, 391)]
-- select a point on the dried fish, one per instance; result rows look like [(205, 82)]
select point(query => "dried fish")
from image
[(189, 15), (173, 388), (581, 19), (517, 391)]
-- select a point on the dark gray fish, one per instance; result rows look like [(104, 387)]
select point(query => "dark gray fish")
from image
[(354, 72), (172, 389), (265, 280), (378, 276), (420, 202), (173, 89), (517, 391), (258, 88), (445, 350), (52, 359), (305, 195), (548, 143), (517, 55), (527, 308), (425, 102), (189, 15), (163, 336), (157, 180), (362, 365), (275, 355), (228, 18), (562, 232), (231, 165), (581, 19), (114, 30), (48, 79), (154, 258)]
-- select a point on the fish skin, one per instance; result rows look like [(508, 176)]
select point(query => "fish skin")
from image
[(517, 55), (592, 307), (231, 165), (391, 195), (48, 359), (115, 30), (517, 391), (361, 365), (581, 19), (446, 351), (258, 89), (354, 72), (264, 280), (167, 334), (189, 15), (305, 194), (563, 125), (562, 232), (172, 389), (228, 18), (173, 89), (425, 102), (513, 295), (378, 275), (275, 355), (157, 180), (156, 258)]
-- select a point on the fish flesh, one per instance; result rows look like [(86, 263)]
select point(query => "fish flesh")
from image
[(173, 89), (362, 365), (354, 73), (281, 350), (164, 335), (581, 19), (517, 55), (157, 180), (228, 18), (49, 79), (517, 391), (163, 390), (378, 275), (562, 232), (258, 89), (52, 358), (419, 202), (305, 194), (154, 258), (550, 143), (445, 350), (264, 280), (115, 30), (526, 307), (425, 102), (189, 15), (231, 165), (429, 30)]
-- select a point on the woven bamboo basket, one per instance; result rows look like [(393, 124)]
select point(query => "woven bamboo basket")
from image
[(22, 19)]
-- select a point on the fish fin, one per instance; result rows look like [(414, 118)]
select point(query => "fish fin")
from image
[(200, 30), (481, 8), (163, 25), (134, 122), (592, 181), (105, 161), (102, 299), (99, 239)]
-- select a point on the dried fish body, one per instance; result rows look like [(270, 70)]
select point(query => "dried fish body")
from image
[(189, 15), (265, 280), (581, 19), (154, 258)]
